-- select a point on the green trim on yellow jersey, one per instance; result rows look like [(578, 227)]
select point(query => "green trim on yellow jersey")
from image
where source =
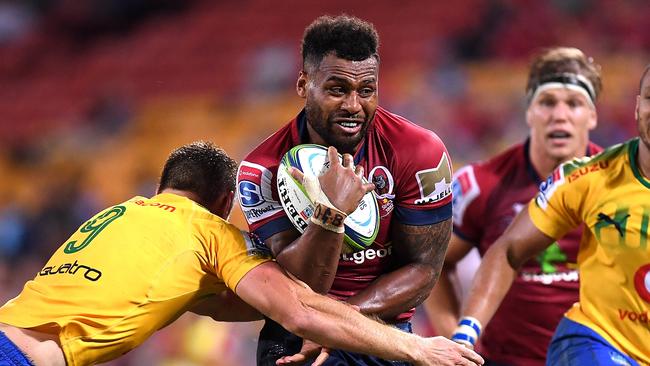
[(634, 152), (139, 266)]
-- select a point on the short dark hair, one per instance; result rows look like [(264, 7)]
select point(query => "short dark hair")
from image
[(345, 36), (201, 168), (564, 60)]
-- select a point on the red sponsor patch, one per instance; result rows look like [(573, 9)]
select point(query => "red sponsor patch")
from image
[(642, 282)]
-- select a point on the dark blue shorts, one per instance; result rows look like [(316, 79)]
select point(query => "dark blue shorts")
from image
[(275, 342), (574, 344), (10, 355)]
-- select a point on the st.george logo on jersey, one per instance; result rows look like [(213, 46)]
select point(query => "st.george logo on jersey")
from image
[(361, 226)]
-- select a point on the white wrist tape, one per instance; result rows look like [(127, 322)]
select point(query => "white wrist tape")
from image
[(315, 192), (329, 218)]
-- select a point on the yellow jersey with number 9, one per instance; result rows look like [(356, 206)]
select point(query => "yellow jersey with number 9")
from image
[(129, 271), (609, 194)]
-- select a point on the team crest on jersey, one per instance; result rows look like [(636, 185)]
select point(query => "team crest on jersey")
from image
[(255, 246), (434, 184), (254, 192), (384, 182), (549, 186), (465, 189)]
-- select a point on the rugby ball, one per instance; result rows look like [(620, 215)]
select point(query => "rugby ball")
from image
[(361, 226)]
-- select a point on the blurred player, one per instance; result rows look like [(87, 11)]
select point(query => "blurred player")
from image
[(609, 194), (409, 166), (563, 85), (137, 266)]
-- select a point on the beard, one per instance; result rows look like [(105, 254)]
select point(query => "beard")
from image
[(324, 126)]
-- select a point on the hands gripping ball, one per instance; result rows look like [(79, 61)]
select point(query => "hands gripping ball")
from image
[(361, 226)]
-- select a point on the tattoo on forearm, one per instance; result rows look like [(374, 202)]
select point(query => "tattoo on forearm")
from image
[(424, 244)]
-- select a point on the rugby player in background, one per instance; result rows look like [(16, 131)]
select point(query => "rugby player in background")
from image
[(609, 194), (563, 85), (137, 266), (409, 165)]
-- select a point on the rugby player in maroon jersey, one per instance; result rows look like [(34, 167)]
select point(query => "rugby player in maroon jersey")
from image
[(409, 165), (563, 85)]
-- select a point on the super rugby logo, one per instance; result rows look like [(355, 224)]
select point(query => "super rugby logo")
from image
[(254, 246), (549, 186), (254, 191), (435, 184), (642, 282)]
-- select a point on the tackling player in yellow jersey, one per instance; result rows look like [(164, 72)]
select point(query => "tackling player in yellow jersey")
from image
[(610, 194), (137, 266)]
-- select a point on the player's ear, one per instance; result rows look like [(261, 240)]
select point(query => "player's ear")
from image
[(636, 108), (222, 205), (301, 84), (230, 201)]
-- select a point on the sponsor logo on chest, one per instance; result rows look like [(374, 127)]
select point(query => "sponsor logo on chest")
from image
[(362, 256), (254, 191)]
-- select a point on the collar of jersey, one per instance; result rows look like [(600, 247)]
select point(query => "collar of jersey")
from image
[(633, 150), (529, 164), (303, 135)]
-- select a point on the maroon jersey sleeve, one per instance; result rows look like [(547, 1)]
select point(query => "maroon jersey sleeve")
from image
[(469, 201), (423, 179), (257, 188)]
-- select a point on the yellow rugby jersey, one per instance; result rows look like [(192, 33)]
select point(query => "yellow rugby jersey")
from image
[(129, 271), (609, 194)]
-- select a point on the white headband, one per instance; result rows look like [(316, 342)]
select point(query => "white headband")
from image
[(573, 82)]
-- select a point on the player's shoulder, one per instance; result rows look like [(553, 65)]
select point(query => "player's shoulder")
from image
[(272, 148), (491, 170), (401, 132), (585, 174), (513, 157), (608, 159)]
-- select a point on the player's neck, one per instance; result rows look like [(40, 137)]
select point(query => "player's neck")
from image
[(643, 159), (183, 193), (542, 163)]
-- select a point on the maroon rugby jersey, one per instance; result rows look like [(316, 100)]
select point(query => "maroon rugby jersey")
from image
[(487, 196), (409, 165)]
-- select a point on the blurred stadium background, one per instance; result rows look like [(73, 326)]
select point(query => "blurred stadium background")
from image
[(95, 93)]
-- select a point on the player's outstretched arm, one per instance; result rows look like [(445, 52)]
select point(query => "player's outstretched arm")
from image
[(226, 306), (520, 242), (336, 325), (443, 306)]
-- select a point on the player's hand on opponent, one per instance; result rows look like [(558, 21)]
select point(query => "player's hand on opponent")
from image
[(342, 183), (440, 351), (309, 351)]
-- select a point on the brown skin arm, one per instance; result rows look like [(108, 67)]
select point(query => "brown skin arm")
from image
[(442, 306), (421, 251), (520, 242), (312, 257), (336, 325)]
